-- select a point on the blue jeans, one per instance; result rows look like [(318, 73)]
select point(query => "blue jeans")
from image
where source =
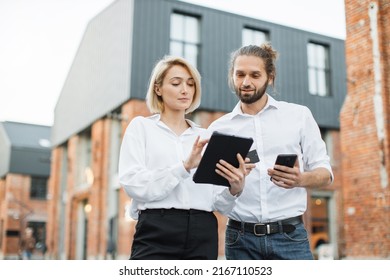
[(241, 245), (26, 255)]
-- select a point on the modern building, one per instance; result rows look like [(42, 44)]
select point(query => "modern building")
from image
[(25, 153), (105, 90)]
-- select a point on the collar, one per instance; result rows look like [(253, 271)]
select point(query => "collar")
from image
[(156, 118), (271, 103)]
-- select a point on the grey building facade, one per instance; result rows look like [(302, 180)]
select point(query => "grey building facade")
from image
[(24, 149), (122, 44)]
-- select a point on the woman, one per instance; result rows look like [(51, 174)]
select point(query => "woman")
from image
[(157, 159)]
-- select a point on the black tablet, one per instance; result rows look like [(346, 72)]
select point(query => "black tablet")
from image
[(220, 146)]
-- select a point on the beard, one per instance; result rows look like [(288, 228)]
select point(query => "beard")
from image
[(249, 99)]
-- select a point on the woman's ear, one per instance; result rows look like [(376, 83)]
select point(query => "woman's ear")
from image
[(157, 90)]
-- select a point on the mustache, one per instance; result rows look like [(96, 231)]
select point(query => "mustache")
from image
[(247, 87)]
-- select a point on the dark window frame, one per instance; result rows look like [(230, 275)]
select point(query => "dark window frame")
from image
[(185, 43), (38, 187), (318, 70), (256, 29)]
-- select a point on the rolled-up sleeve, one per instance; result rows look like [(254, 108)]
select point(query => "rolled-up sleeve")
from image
[(314, 148)]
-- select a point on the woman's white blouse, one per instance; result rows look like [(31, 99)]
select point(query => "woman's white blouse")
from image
[(151, 170)]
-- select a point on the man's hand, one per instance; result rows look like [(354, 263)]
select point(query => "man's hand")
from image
[(286, 177), (235, 176)]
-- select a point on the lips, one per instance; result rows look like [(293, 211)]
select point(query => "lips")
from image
[(247, 90)]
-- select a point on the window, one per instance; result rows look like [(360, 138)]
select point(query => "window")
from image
[(319, 221), (39, 233), (253, 37), (85, 176), (38, 189), (185, 37), (318, 69)]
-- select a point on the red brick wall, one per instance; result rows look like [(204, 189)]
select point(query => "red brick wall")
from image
[(365, 155), (16, 210), (97, 225), (71, 218), (54, 195)]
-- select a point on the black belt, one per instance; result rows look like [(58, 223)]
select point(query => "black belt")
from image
[(172, 211), (260, 229)]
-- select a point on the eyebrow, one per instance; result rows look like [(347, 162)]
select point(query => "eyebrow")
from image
[(251, 72), (180, 78)]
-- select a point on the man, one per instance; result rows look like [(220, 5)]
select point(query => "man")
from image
[(266, 222), (27, 244)]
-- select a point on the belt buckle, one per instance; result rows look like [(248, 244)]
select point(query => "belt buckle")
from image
[(268, 229)]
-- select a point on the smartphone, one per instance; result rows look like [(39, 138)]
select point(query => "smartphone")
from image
[(286, 160)]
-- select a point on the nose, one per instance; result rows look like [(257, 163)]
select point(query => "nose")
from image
[(184, 88), (246, 81)]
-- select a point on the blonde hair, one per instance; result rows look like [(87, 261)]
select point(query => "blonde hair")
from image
[(155, 102)]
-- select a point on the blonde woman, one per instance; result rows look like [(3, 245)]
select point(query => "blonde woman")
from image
[(157, 159)]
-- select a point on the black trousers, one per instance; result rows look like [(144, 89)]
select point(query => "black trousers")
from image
[(174, 234)]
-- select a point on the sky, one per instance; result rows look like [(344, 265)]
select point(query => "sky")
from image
[(39, 39)]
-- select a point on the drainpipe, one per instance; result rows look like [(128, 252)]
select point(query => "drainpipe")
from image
[(378, 101)]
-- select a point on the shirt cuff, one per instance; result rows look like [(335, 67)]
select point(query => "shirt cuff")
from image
[(228, 196)]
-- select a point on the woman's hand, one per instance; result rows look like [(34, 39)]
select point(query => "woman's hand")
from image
[(235, 176), (196, 154)]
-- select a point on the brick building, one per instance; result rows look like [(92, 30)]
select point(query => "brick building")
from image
[(105, 90), (24, 171), (365, 131)]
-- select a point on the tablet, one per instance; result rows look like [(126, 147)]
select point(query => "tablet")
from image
[(220, 146)]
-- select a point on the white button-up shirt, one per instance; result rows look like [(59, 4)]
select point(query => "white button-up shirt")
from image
[(151, 170), (280, 128)]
